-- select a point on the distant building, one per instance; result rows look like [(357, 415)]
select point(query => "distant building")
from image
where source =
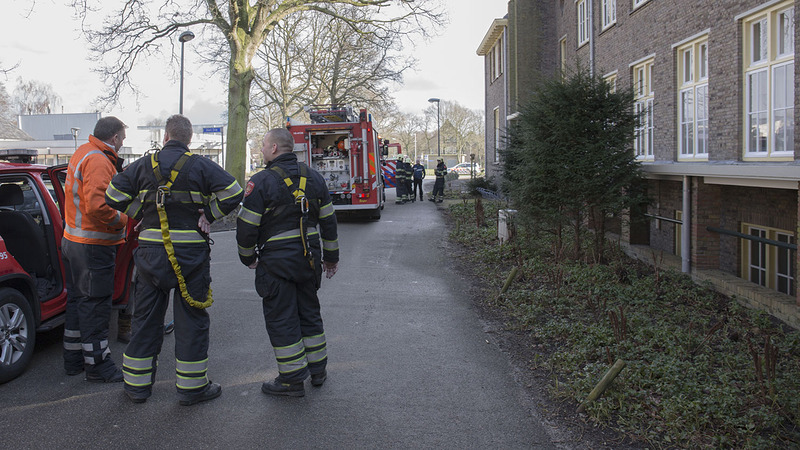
[(716, 84)]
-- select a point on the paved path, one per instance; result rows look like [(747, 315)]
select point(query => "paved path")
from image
[(410, 365)]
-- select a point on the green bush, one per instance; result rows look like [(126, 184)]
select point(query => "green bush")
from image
[(690, 377)]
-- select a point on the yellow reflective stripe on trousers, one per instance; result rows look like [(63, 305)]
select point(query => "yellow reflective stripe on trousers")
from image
[(290, 351), (316, 348), (137, 379), (137, 363), (189, 367), (191, 382), (293, 365)]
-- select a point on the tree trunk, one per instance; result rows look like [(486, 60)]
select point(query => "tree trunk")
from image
[(241, 77)]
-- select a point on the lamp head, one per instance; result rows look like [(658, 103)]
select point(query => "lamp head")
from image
[(186, 36), (433, 100)]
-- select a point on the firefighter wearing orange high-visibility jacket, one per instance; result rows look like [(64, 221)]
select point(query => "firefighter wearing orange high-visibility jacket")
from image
[(287, 232)]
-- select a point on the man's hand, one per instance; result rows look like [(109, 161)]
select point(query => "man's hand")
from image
[(253, 265), (330, 268), (203, 223)]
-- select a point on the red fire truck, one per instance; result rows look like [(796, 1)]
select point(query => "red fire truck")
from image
[(344, 147)]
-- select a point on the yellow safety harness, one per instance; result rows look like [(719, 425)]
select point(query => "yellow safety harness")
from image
[(299, 194), (162, 193)]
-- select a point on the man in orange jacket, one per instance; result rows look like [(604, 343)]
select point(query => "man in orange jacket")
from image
[(92, 233)]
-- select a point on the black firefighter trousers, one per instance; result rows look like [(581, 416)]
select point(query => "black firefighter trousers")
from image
[(154, 280), (292, 316), (90, 285)]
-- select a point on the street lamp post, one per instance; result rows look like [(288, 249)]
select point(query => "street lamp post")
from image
[(438, 128), (185, 37), (75, 131)]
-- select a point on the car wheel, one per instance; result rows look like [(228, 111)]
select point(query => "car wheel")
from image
[(17, 334)]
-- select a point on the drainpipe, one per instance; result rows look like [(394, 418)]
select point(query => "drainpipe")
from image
[(591, 37), (686, 256)]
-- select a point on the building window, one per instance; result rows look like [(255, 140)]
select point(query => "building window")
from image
[(562, 44), (769, 265), (609, 13), (769, 82), (638, 3), (644, 92), (583, 23), (497, 135), (492, 73), (611, 79), (693, 99), (497, 58)]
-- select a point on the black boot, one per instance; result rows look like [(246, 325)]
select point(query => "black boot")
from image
[(276, 387)]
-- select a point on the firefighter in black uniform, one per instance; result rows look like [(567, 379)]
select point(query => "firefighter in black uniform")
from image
[(438, 186), (409, 173), (278, 237), (400, 180), (176, 195)]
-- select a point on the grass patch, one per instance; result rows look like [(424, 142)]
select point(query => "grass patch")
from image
[(702, 371)]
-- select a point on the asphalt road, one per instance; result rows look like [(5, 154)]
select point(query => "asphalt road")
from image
[(410, 365)]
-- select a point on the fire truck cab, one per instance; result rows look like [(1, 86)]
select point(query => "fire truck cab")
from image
[(344, 147)]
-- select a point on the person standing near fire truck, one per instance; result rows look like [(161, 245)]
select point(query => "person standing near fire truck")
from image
[(400, 180), (418, 172), (438, 186), (277, 235), (409, 181), (92, 233), (176, 195)]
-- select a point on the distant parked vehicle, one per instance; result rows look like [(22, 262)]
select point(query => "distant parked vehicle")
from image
[(464, 168)]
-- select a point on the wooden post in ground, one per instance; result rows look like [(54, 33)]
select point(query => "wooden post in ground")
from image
[(603, 384)]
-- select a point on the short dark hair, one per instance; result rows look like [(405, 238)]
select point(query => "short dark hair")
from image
[(283, 138), (179, 128), (107, 127)]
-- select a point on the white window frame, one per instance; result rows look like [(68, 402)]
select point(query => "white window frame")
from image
[(787, 256), (693, 132), (645, 93), (767, 270), (638, 3), (583, 22), (497, 134), (608, 13), (768, 125)]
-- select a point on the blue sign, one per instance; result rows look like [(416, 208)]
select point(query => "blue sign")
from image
[(212, 130)]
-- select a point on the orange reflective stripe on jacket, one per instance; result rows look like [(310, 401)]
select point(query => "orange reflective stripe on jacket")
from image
[(89, 220)]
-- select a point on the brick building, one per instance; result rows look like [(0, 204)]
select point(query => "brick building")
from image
[(715, 81)]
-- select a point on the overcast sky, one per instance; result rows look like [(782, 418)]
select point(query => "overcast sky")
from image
[(48, 47)]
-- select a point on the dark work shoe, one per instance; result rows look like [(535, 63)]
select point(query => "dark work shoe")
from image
[(212, 391), (137, 398), (318, 379), (95, 377), (72, 371), (276, 387)]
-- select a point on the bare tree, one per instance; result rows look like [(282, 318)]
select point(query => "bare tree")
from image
[(7, 110), (139, 27), (35, 97), (461, 129)]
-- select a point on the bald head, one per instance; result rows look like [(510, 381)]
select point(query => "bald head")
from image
[(276, 142)]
